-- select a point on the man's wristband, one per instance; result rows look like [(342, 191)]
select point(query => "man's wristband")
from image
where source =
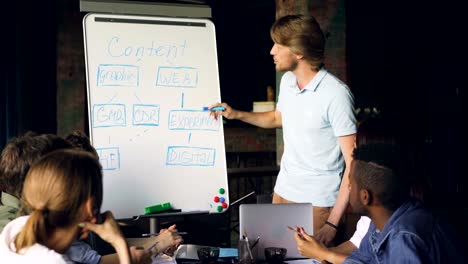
[(332, 225)]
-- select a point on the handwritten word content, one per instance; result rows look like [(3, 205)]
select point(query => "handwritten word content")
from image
[(109, 158), (118, 47), (190, 156), (109, 115), (145, 115), (192, 120), (184, 77), (117, 75)]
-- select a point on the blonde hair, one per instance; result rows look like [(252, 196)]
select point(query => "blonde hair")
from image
[(302, 34), (55, 189)]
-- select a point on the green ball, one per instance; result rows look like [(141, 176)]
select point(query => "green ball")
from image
[(221, 190), (220, 208)]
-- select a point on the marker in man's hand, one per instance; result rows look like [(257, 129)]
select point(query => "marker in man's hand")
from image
[(216, 108)]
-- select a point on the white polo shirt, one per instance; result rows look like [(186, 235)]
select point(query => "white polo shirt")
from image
[(313, 118)]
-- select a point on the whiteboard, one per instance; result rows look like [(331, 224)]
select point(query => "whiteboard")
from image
[(148, 79)]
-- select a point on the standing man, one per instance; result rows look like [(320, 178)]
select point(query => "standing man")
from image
[(316, 111)]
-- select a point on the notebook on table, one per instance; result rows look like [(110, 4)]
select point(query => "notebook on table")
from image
[(271, 221)]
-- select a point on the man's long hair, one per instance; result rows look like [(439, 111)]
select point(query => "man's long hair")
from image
[(302, 34)]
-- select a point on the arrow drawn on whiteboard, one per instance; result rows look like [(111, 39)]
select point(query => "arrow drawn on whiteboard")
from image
[(113, 97), (182, 101), (137, 135), (136, 96), (189, 137)]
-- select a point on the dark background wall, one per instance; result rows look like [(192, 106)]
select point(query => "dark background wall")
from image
[(408, 59), (243, 42), (28, 76)]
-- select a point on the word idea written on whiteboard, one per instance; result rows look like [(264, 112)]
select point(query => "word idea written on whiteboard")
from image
[(148, 79)]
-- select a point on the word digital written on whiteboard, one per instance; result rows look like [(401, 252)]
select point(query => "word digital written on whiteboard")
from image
[(148, 80)]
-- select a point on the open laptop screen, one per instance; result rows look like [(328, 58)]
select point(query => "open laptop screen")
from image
[(271, 221)]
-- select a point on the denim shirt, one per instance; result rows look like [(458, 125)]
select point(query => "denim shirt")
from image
[(412, 235)]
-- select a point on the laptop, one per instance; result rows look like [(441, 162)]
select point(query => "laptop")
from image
[(270, 222)]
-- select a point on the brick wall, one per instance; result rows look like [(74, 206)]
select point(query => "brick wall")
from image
[(71, 76)]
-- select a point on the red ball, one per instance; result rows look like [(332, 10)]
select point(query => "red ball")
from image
[(216, 199), (224, 205)]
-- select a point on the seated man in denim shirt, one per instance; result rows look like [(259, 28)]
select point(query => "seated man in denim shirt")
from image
[(402, 230)]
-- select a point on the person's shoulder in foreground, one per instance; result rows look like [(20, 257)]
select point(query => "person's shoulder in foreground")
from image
[(9, 207), (36, 253)]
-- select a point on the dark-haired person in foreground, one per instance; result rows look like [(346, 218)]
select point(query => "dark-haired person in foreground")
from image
[(15, 160), (401, 229), (63, 191), (79, 140)]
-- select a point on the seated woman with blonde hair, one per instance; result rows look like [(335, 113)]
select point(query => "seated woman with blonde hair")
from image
[(63, 192)]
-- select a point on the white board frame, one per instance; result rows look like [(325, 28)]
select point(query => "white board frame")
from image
[(137, 108)]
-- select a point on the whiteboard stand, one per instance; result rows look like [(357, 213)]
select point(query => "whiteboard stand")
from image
[(154, 218), (149, 79)]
